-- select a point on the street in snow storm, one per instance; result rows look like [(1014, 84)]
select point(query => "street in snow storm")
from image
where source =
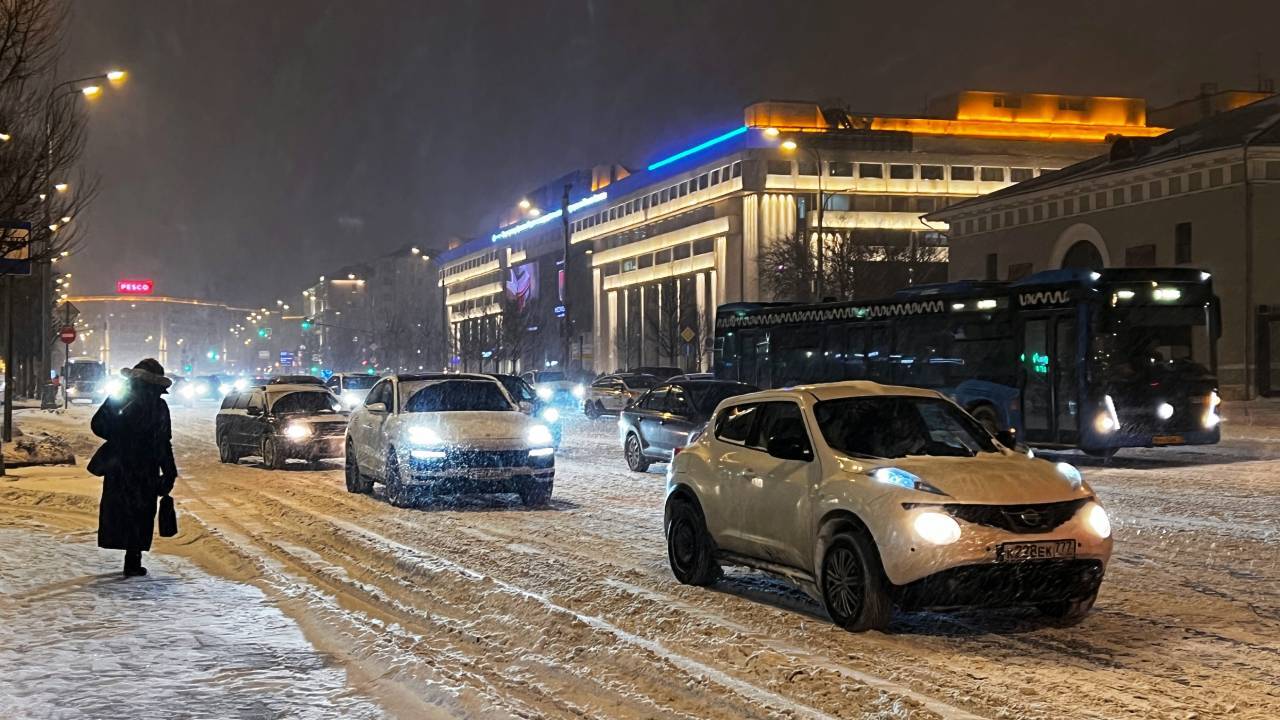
[(583, 359)]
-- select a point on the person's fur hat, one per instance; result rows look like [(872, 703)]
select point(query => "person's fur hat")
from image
[(148, 371)]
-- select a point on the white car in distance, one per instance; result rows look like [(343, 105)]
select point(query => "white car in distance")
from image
[(870, 497), (427, 435)]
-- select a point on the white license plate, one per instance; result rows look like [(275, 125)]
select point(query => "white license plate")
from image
[(487, 473), (1016, 552)]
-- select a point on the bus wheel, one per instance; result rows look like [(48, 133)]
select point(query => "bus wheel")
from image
[(986, 415)]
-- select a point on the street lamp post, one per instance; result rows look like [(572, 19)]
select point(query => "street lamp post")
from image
[(791, 145)]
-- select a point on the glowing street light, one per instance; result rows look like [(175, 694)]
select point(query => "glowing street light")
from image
[(5, 137), (415, 251), (91, 91), (771, 132), (525, 204), (62, 187), (534, 212), (789, 145), (117, 76)]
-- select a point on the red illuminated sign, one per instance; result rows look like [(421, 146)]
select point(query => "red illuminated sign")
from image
[(135, 287)]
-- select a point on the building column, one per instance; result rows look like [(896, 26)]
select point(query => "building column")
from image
[(750, 247)]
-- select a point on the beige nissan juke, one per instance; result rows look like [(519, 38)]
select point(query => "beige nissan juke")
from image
[(871, 497)]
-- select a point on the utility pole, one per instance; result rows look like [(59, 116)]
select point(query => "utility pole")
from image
[(566, 323)]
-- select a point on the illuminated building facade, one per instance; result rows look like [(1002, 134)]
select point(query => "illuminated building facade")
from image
[(657, 250), (186, 336)]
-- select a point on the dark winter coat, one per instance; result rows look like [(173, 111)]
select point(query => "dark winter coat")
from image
[(137, 427)]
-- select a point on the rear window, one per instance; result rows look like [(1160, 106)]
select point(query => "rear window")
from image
[(640, 383), (359, 382), (548, 376), (734, 424), (459, 395), (706, 396)]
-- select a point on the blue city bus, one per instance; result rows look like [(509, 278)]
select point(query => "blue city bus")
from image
[(1064, 358)]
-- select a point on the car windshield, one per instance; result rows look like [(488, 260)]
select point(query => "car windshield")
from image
[(706, 396), (458, 395), (548, 376), (640, 382), (358, 382), (85, 371), (311, 403), (899, 426)]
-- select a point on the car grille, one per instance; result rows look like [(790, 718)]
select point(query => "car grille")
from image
[(488, 458), (1022, 519), (329, 429)]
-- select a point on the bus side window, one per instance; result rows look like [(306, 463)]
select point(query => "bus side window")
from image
[(879, 347), (854, 357)]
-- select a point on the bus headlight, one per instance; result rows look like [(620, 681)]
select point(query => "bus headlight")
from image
[(1096, 518), (936, 528), (1107, 420), (1164, 411), (1211, 417)]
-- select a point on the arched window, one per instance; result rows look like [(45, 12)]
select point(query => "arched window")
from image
[(1083, 254)]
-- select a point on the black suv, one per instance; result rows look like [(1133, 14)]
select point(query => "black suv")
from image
[(279, 422)]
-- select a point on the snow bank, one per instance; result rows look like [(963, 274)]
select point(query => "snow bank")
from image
[(38, 449)]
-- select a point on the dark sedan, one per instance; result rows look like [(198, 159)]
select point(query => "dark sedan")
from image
[(664, 419)]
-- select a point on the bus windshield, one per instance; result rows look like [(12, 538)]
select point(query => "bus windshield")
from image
[(81, 371), (894, 427), (1153, 343)]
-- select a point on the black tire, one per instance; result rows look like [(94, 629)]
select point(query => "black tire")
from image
[(393, 486), (986, 415), (634, 454), (536, 495), (225, 453), (356, 481), (854, 588), (271, 455), (591, 410), (1066, 613), (691, 552)]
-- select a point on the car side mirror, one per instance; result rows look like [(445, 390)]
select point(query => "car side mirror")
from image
[(788, 448), (376, 407), (253, 411), (526, 407)]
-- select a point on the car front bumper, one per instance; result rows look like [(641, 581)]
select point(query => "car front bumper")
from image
[(318, 448), (480, 472), (935, 570)]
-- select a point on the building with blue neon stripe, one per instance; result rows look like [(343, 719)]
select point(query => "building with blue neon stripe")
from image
[(656, 250)]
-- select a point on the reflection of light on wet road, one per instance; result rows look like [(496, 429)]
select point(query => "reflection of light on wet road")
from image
[(78, 640)]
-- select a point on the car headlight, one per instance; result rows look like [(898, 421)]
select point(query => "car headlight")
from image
[(544, 393), (579, 391), (427, 454), (1069, 471), (115, 387), (551, 415), (202, 389), (240, 385), (1107, 420), (187, 392), (1096, 518), (1211, 418), (72, 392), (936, 528), (539, 436), (423, 435), (542, 452), (297, 431), (903, 479), (224, 388)]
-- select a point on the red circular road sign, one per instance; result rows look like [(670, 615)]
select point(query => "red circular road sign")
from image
[(67, 334)]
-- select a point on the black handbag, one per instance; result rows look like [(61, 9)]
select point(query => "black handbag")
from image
[(105, 459), (168, 517)]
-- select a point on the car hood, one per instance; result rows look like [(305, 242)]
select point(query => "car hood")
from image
[(988, 479), (472, 425)]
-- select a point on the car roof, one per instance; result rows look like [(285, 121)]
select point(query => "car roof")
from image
[(834, 391), (281, 388), (413, 377)]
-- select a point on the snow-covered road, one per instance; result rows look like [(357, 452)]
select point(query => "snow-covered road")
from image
[(486, 609)]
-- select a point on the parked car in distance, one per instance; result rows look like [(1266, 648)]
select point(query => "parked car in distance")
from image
[(351, 388), (872, 497), (201, 387), (431, 434), (280, 422), (661, 372), (530, 404), (664, 419), (555, 388), (609, 394), (87, 381)]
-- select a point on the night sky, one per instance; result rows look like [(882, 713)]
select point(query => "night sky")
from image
[(261, 143)]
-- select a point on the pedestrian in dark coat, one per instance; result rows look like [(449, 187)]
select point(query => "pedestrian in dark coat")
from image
[(140, 468)]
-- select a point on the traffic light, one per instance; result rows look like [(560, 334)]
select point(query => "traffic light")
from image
[(264, 332), (306, 323), (212, 355), (186, 369)]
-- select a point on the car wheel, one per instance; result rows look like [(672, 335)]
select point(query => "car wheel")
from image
[(356, 482), (536, 494), (397, 493), (591, 410), (271, 455), (225, 453), (853, 585), (635, 456), (1065, 613), (690, 550), (986, 415)]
